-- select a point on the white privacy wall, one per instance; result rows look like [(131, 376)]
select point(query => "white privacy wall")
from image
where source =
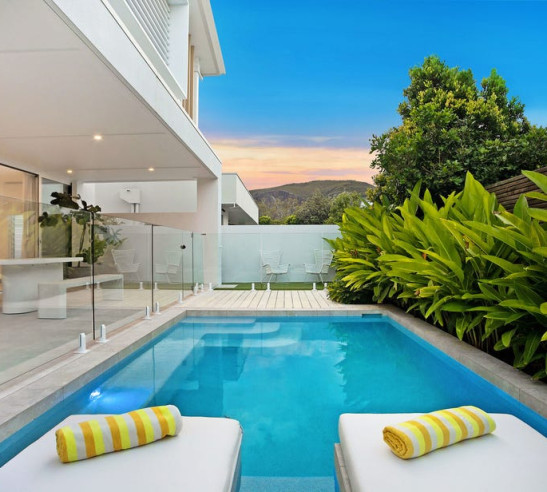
[(241, 247)]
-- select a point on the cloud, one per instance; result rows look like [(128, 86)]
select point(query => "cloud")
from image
[(280, 140), (261, 164)]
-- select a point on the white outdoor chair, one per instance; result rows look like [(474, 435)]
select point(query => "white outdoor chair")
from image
[(271, 263), (171, 267), (323, 259), (124, 259)]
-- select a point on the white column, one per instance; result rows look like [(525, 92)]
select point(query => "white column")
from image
[(195, 102), (208, 215)]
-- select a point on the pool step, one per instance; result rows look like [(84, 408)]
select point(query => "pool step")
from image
[(287, 484)]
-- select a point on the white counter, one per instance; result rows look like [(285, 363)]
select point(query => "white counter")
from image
[(20, 279)]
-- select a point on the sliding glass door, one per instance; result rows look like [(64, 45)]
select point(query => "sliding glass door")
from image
[(18, 213)]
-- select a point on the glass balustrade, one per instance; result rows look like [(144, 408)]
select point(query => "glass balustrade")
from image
[(65, 271)]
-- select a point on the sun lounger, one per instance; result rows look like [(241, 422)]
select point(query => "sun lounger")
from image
[(203, 457), (512, 458)]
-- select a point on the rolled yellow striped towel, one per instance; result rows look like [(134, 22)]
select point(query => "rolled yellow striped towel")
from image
[(109, 433), (437, 430)]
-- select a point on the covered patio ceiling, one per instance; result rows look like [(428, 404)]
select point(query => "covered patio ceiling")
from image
[(56, 93)]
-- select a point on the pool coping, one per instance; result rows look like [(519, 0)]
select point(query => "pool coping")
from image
[(24, 401)]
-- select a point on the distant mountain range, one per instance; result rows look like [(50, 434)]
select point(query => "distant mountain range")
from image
[(280, 201), (302, 191)]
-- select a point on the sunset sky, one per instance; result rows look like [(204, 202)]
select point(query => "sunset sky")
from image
[(309, 81)]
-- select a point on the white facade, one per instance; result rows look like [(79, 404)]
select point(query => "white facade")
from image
[(103, 94), (238, 205)]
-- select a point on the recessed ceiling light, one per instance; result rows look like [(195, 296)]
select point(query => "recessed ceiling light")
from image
[(69, 171), (151, 169), (97, 137)]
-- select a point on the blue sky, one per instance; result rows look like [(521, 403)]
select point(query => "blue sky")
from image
[(325, 75)]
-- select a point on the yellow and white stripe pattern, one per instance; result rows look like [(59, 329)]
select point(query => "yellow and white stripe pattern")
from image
[(437, 430), (109, 433)]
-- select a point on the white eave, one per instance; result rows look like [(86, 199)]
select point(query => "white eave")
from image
[(67, 72), (205, 38)]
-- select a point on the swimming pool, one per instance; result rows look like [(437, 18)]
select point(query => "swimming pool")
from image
[(287, 380)]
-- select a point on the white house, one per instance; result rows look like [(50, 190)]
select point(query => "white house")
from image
[(103, 95)]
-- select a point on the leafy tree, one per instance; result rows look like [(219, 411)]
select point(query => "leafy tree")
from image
[(291, 220), (451, 126), (315, 210), (277, 209), (265, 220), (340, 203)]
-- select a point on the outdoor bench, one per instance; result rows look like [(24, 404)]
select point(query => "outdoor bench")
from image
[(52, 295)]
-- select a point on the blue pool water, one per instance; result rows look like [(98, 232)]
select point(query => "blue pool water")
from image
[(286, 380)]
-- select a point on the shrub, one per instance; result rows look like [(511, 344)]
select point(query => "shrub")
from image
[(469, 266), (291, 220), (339, 293)]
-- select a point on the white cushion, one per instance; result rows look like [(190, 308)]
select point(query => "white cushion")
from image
[(203, 457), (512, 458)]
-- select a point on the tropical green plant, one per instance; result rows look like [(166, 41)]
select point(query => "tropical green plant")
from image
[(339, 293), (469, 266), (451, 126)]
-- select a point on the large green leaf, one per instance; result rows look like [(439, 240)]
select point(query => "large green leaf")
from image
[(507, 336), (538, 213), (506, 265), (531, 345), (516, 304), (539, 179), (537, 195)]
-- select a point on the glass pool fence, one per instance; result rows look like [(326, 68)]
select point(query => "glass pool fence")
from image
[(66, 271)]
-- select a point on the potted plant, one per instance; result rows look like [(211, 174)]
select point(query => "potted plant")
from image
[(95, 235)]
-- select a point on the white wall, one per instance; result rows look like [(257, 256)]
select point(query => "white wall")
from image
[(156, 196), (241, 247)]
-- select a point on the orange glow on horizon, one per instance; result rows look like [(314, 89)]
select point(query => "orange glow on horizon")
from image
[(262, 165)]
